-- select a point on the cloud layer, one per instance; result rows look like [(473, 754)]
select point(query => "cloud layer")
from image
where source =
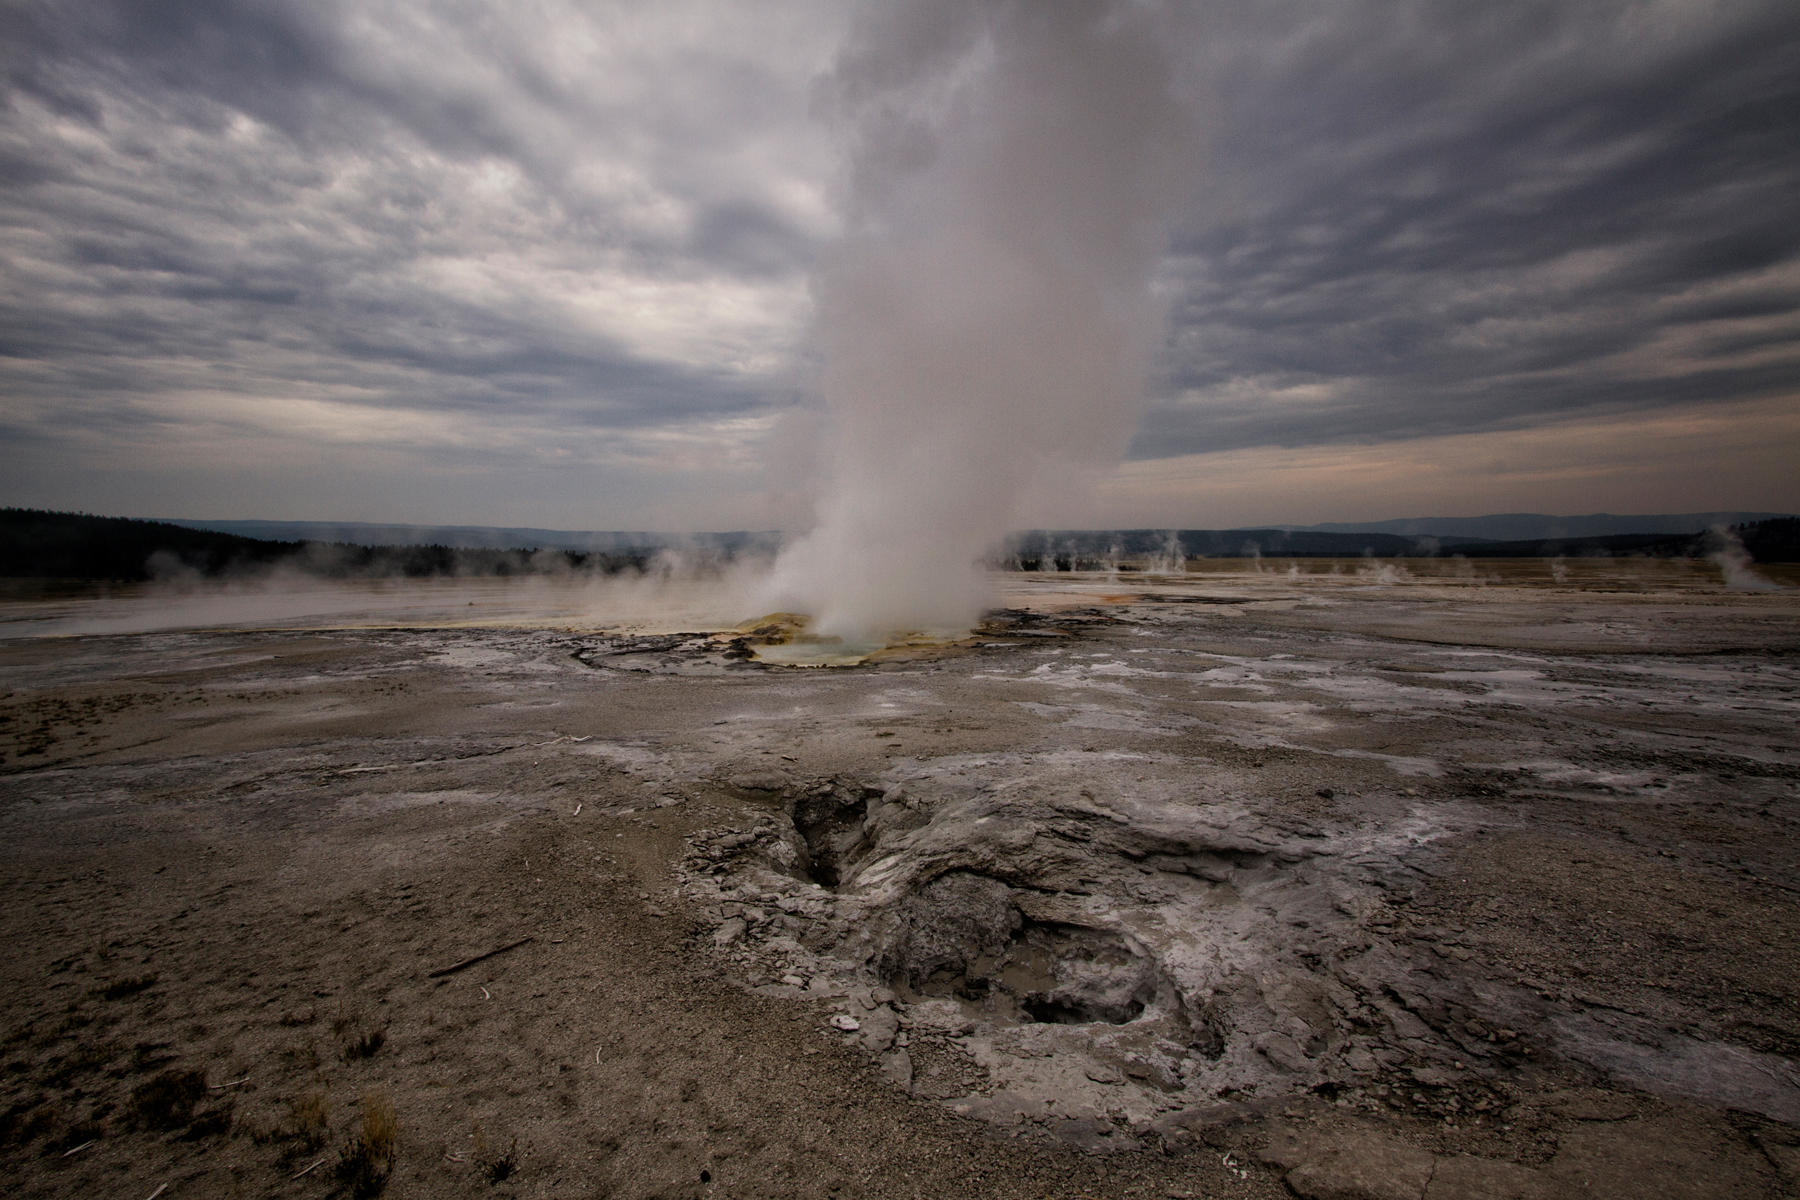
[(1435, 221), (550, 263)]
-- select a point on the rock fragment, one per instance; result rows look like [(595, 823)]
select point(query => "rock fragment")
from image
[(879, 1028), (1348, 1164), (897, 1065)]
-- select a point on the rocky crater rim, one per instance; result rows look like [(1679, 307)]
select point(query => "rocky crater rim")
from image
[(783, 640)]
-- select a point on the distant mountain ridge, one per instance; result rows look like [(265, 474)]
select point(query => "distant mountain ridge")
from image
[(1088, 549), (485, 537), (1498, 527), (39, 544), (1520, 527)]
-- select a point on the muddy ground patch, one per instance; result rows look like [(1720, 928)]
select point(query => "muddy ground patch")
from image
[(1459, 885)]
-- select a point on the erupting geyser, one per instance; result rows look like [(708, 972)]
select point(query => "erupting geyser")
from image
[(987, 319)]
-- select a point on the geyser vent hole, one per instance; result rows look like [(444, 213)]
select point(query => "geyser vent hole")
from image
[(829, 819), (1045, 1011)]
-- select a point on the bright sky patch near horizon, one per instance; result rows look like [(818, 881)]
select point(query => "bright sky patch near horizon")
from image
[(552, 264)]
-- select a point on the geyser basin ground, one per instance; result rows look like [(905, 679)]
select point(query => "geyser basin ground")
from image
[(1441, 884)]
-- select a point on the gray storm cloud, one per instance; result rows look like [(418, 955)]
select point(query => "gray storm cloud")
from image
[(562, 263), (987, 321)]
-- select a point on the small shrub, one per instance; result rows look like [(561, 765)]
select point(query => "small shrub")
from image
[(78, 1134), (147, 1056), (215, 1122), (260, 1127), (118, 989), (495, 1166), (73, 1019), (360, 1038), (364, 1044), (167, 1100), (24, 1121), (44, 1121), (302, 1055), (84, 1058)]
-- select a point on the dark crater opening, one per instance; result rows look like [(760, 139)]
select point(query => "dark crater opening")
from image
[(669, 653), (962, 936), (830, 821), (1012, 952), (1054, 1012), (1024, 622)]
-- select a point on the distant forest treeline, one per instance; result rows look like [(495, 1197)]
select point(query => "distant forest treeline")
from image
[(51, 545), (1775, 540)]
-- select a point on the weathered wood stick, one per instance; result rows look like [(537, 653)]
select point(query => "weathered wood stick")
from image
[(453, 968)]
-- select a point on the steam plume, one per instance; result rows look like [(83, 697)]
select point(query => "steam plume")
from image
[(987, 319), (1736, 565)]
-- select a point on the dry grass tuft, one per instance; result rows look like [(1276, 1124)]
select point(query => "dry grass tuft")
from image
[(367, 1158), (360, 1037), (499, 1166), (364, 1044), (309, 1117)]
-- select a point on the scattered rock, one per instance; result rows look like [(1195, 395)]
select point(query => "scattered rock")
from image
[(1348, 1164), (1087, 1133), (1785, 1157), (897, 1066), (1363, 1173), (1466, 1177), (880, 1026), (1281, 1050), (1200, 1118), (755, 780), (1589, 1106)]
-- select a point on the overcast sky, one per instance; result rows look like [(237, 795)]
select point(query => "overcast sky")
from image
[(546, 264)]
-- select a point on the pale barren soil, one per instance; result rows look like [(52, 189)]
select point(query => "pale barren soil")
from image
[(1377, 883)]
